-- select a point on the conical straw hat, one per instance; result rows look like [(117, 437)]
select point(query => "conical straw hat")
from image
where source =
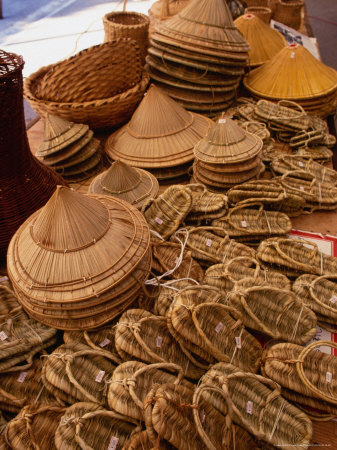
[(75, 248), (292, 74), (128, 183), (207, 24), (59, 133), (264, 41), (227, 143), (161, 133)]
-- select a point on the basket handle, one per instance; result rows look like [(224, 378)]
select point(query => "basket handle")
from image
[(124, 5), (316, 299), (196, 398), (168, 366), (232, 311), (94, 346), (302, 375)]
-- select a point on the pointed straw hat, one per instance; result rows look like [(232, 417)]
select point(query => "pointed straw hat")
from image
[(100, 246), (309, 78), (227, 143), (205, 26), (131, 184), (161, 133), (264, 41), (58, 134), (87, 151)]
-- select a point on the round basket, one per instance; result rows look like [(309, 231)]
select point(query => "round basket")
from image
[(289, 13), (123, 24), (261, 12)]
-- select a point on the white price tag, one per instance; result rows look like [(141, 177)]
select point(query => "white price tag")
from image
[(243, 224), (209, 242), (158, 220), (3, 336), (328, 377), (22, 377), (300, 164), (292, 55), (249, 407), (333, 299), (159, 341), (301, 188), (222, 121), (219, 327), (100, 376), (3, 279), (113, 443), (238, 341), (105, 342)]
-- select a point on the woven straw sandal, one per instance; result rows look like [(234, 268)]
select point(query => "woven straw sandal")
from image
[(210, 248), (256, 404), (293, 117), (132, 381), (308, 376), (167, 212), (9, 305), (318, 294), (245, 223), (320, 154), (313, 137), (295, 257), (168, 292), (223, 276), (214, 329), (34, 427), (164, 259), (142, 335), (84, 425), (76, 372)]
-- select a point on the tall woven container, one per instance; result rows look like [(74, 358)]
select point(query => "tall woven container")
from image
[(262, 12), (289, 12), (26, 184), (133, 25)]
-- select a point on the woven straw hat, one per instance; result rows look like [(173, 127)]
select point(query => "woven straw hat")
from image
[(100, 246), (206, 26), (313, 78), (227, 143), (133, 185), (58, 134), (161, 133), (264, 41)]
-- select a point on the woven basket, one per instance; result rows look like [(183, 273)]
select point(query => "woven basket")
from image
[(289, 13), (132, 25), (100, 113), (34, 427), (262, 12), (244, 222), (304, 371), (132, 381), (275, 312), (165, 255), (23, 387), (142, 335), (210, 248), (167, 212), (243, 267), (257, 405), (76, 372), (84, 425), (295, 257), (199, 317), (319, 294)]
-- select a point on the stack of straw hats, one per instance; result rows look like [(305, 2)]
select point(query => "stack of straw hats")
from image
[(264, 41), (159, 137), (69, 148), (133, 185), (26, 184), (80, 260), (294, 74), (228, 156), (198, 56)]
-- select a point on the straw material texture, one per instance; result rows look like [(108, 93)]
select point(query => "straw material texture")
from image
[(283, 114), (289, 12), (87, 425), (261, 12), (146, 337), (132, 381), (9, 305), (133, 185), (78, 234), (257, 405), (264, 41), (160, 134)]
